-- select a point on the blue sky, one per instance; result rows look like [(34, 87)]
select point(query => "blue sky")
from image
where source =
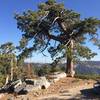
[(8, 27)]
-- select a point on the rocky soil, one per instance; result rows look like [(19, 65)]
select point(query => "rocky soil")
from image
[(64, 89)]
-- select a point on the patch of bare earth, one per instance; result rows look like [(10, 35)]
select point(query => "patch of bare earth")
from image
[(64, 89)]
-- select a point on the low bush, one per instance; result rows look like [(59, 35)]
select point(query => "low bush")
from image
[(2, 80), (88, 76)]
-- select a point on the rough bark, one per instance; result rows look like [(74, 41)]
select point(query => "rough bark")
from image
[(12, 70), (30, 74), (69, 65), (7, 79)]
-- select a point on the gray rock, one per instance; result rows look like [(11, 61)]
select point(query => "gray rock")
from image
[(29, 88), (42, 82), (56, 76), (19, 87)]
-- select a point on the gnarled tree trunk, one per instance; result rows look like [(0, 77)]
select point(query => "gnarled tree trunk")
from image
[(12, 70), (69, 64), (7, 79)]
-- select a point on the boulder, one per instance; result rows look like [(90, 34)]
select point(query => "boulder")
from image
[(20, 88), (17, 83), (61, 75), (29, 81), (36, 84), (29, 88), (42, 82), (56, 76)]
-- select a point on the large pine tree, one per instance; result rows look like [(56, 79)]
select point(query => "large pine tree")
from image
[(59, 30)]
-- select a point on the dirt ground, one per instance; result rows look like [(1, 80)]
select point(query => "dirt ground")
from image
[(64, 89)]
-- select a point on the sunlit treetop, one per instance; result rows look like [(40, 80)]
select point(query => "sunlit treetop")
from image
[(53, 22)]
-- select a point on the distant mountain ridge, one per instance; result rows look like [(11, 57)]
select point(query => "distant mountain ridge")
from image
[(83, 67), (88, 67)]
